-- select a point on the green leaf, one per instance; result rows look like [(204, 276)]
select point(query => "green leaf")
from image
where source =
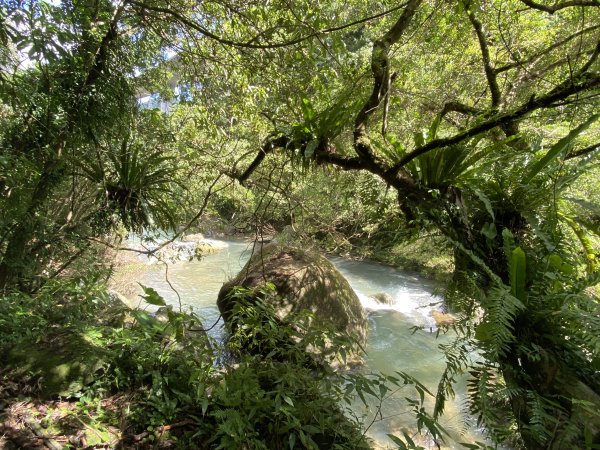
[(489, 231), (401, 445), (383, 389), (508, 242), (307, 110), (409, 441), (486, 202), (419, 139), (434, 127), (555, 261), (517, 272), (152, 297), (310, 148), (483, 332), (288, 400), (558, 148)]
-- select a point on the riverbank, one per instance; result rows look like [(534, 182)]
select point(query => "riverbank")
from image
[(428, 256), (91, 373), (390, 326)]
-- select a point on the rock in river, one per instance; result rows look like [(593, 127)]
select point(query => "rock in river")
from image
[(303, 279)]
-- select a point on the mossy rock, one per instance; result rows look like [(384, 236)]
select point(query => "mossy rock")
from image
[(304, 280)]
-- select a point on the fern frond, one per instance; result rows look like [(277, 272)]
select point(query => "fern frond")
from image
[(502, 308)]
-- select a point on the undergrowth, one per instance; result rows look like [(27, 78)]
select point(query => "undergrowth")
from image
[(156, 384)]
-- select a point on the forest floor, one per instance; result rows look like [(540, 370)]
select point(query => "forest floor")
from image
[(35, 424)]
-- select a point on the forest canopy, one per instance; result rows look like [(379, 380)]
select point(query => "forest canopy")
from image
[(474, 120)]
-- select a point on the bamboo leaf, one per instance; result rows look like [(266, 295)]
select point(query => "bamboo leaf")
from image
[(401, 445)]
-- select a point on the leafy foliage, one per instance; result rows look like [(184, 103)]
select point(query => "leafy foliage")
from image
[(137, 180), (504, 91)]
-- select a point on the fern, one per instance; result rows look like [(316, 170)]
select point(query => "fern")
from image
[(486, 399), (457, 355), (496, 332)]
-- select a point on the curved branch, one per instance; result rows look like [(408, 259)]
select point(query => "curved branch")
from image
[(460, 108), (490, 73), (381, 73), (560, 93), (559, 6), (321, 156), (195, 26)]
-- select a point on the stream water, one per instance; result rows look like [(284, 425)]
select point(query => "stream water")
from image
[(391, 346)]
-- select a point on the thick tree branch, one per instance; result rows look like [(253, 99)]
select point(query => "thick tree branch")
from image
[(381, 73), (343, 162), (101, 55), (460, 108), (561, 92), (268, 146), (250, 44), (559, 6), (321, 156), (490, 73)]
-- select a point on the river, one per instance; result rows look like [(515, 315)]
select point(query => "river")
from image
[(392, 344)]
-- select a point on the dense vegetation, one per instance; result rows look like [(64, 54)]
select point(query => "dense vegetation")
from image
[(365, 125)]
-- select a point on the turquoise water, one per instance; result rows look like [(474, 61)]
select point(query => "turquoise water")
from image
[(392, 345)]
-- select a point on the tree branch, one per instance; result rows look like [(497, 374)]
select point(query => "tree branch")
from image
[(583, 151), (249, 44), (490, 73), (592, 59), (559, 6), (545, 51), (381, 73), (460, 108), (321, 156), (561, 92), (343, 162), (268, 146)]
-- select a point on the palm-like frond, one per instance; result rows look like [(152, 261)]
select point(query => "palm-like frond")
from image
[(137, 183)]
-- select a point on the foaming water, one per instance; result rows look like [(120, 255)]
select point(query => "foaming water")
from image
[(393, 343), (410, 295)]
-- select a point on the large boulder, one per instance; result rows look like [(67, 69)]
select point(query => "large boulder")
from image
[(304, 280)]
